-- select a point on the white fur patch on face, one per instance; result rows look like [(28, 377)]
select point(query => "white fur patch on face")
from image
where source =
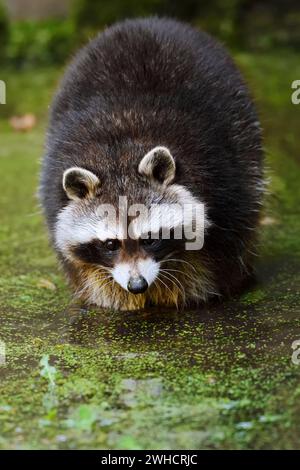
[(121, 274), (74, 226), (160, 217), (184, 214), (148, 268)]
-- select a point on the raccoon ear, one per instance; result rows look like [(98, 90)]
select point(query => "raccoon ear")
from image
[(158, 165), (79, 183)]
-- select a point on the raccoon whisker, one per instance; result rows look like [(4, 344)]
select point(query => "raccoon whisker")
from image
[(96, 282), (101, 287), (172, 293), (167, 273), (103, 279), (181, 272), (88, 285), (157, 285), (252, 253), (80, 292), (214, 293), (101, 275), (176, 285), (179, 260), (102, 271), (193, 279), (102, 268), (175, 281)]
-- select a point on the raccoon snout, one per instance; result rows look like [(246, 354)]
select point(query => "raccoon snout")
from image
[(137, 285)]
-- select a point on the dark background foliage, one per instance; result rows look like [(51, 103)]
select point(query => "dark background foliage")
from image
[(241, 24)]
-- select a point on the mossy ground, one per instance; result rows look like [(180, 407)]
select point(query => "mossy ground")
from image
[(217, 378)]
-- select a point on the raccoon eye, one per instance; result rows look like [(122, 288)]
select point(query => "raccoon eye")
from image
[(148, 241), (112, 245)]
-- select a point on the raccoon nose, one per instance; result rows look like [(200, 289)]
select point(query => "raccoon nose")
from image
[(137, 285)]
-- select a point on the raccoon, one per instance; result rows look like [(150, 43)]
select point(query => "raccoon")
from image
[(156, 112)]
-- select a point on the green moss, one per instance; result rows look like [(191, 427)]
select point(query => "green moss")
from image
[(253, 297), (220, 377)]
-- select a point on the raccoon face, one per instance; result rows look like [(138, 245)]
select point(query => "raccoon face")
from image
[(129, 262), (89, 235)]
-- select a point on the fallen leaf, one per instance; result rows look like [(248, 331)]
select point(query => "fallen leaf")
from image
[(268, 221), (23, 123), (46, 284)]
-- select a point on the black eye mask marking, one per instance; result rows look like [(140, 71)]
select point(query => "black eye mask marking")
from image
[(105, 253), (159, 248), (97, 252)]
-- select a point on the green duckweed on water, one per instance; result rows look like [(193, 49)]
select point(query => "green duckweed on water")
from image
[(217, 378)]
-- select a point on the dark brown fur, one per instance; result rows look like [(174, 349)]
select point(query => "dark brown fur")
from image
[(149, 82)]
